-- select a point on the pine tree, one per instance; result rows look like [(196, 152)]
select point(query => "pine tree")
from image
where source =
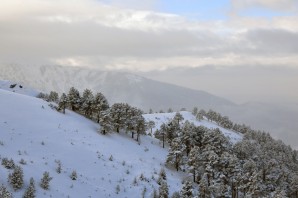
[(178, 118), (140, 126), (45, 181), (193, 161), (62, 102), (16, 178), (187, 190), (30, 192), (73, 175), (175, 154), (163, 190), (73, 99), (195, 111), (100, 104), (118, 113), (105, 122), (87, 102), (53, 96), (4, 193), (151, 125)]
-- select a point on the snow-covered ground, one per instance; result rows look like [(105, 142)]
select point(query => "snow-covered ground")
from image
[(31, 130), (160, 118), (17, 88)]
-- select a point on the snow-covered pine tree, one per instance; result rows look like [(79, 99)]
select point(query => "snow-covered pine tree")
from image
[(105, 122), (175, 153), (4, 193), (187, 190), (195, 111), (87, 103), (118, 113), (62, 102), (53, 96), (194, 161), (151, 125), (140, 126), (16, 178), (178, 118), (100, 104), (45, 181), (163, 190), (30, 192), (186, 136), (73, 99)]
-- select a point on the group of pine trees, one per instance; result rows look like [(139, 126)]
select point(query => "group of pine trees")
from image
[(119, 116), (219, 119), (257, 166), (16, 180)]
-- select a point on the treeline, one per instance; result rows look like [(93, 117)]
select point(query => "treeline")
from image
[(257, 166), (119, 116), (223, 121)]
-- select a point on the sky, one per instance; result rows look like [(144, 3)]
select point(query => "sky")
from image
[(156, 36)]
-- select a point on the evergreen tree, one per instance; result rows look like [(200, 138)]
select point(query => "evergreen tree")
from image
[(100, 104), (193, 161), (195, 111), (118, 113), (62, 102), (175, 154), (30, 192), (187, 190), (178, 118), (140, 126), (16, 178), (73, 99), (105, 122), (163, 190), (4, 193), (151, 124), (45, 181), (87, 103), (53, 96)]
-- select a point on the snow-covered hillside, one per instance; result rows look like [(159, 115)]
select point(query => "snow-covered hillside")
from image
[(31, 130), (17, 88), (160, 118)]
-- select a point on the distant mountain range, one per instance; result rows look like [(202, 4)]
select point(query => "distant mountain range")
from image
[(116, 86), (280, 121)]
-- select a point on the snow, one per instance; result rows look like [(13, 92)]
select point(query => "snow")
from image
[(18, 88), (31, 130), (160, 118)]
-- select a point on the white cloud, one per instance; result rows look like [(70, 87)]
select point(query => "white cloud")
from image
[(90, 33), (279, 5)]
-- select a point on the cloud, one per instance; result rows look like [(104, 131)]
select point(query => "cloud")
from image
[(277, 5), (91, 33)]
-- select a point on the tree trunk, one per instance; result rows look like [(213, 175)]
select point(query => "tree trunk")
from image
[(176, 162), (194, 175)]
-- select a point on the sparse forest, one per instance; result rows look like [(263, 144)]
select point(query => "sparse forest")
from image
[(257, 166)]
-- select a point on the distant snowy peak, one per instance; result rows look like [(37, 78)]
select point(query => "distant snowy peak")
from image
[(17, 88), (116, 86), (160, 118)]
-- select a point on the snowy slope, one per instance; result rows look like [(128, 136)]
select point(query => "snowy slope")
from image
[(31, 130), (160, 118), (17, 88)]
